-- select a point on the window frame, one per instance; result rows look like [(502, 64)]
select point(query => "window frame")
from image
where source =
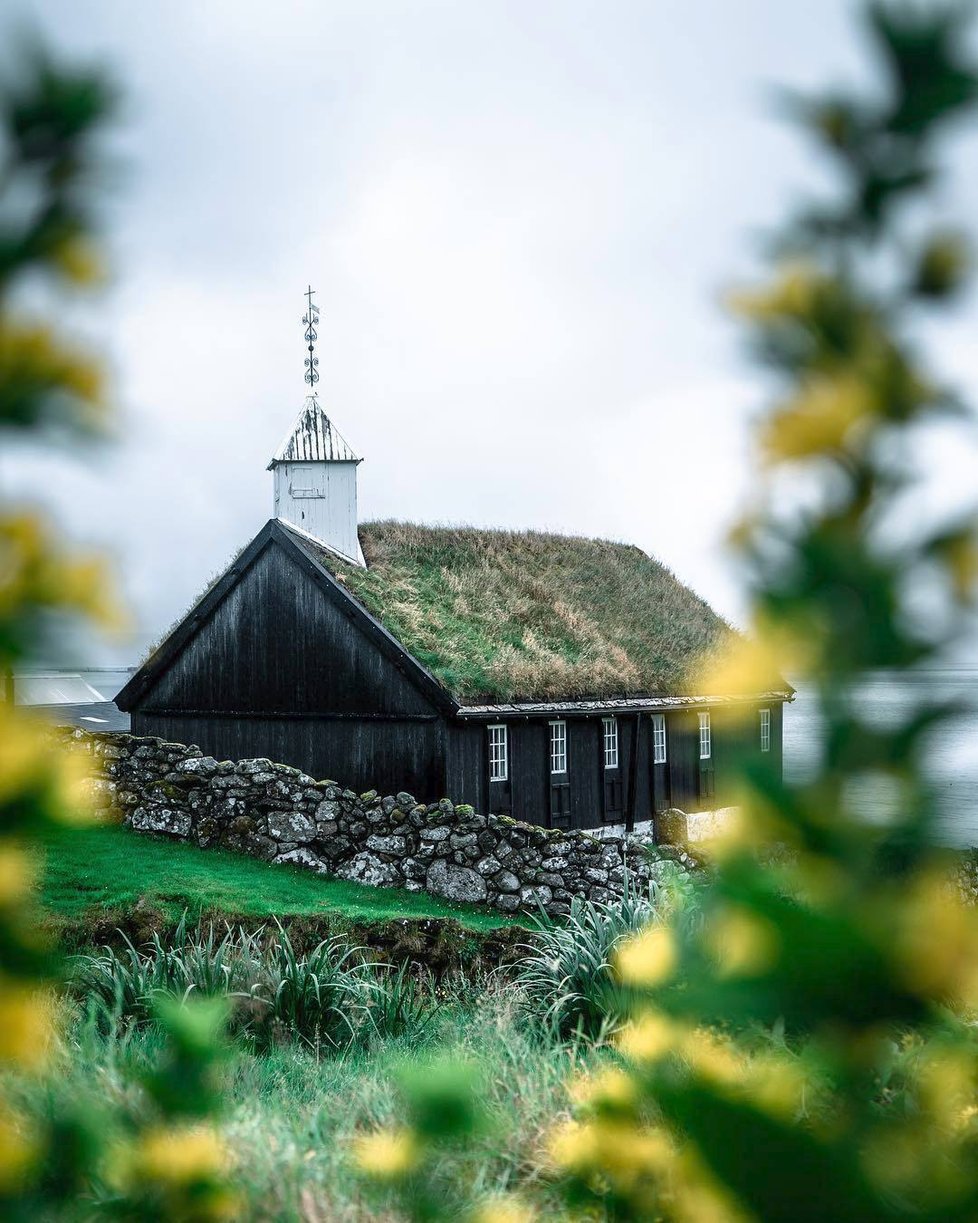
[(765, 728), (498, 760), (659, 739), (706, 735), (558, 736), (609, 742)]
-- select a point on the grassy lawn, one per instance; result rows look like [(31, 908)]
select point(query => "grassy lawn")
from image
[(112, 869)]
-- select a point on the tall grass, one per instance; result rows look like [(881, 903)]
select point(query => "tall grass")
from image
[(329, 997), (566, 976)]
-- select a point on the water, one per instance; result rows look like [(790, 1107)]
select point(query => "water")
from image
[(951, 751)]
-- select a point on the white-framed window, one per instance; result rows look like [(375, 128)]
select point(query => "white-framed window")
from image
[(765, 730), (610, 726), (558, 747), (658, 738), (498, 753), (706, 741)]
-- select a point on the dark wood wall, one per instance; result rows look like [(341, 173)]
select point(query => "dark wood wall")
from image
[(387, 756), (278, 645), (692, 784)]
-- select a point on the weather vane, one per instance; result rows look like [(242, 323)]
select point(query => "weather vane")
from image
[(311, 321)]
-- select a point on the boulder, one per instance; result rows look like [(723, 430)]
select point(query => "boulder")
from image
[(368, 868), (455, 882)]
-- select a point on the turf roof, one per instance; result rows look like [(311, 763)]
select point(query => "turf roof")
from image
[(532, 616)]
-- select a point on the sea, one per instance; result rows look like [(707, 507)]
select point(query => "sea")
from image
[(951, 750)]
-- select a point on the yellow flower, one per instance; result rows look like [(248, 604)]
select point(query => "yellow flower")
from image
[(26, 1014), (79, 261), (776, 1084), (179, 1156), (20, 1152), (822, 418), (743, 944), (18, 871), (935, 942), (387, 1154), (713, 1058), (609, 1088), (647, 959), (792, 294), (506, 1209), (620, 1151), (648, 1038)]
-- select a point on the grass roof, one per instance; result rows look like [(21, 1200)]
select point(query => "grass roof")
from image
[(532, 616)]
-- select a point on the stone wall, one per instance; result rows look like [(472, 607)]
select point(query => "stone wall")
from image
[(280, 814)]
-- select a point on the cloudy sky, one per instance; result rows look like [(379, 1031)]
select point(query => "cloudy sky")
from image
[(519, 218)]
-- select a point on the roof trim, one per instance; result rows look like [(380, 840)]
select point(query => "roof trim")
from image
[(651, 704), (277, 532)]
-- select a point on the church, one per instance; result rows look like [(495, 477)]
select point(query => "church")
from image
[(547, 677)]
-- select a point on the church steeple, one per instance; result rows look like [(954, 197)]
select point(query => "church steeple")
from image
[(314, 469)]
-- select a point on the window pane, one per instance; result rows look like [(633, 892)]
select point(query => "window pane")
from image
[(705, 743), (610, 743), (658, 738), (558, 747), (498, 753), (765, 730)]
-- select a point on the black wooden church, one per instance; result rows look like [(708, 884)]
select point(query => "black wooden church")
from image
[(532, 674)]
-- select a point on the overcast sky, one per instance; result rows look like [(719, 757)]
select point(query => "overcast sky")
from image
[(519, 217)]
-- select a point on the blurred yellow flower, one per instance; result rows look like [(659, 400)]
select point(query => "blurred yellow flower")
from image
[(26, 1014), (80, 262), (743, 944), (20, 1151), (647, 959), (934, 940), (649, 1037), (18, 873), (792, 294), (508, 1209), (821, 419), (387, 1154), (179, 1156), (611, 1087)]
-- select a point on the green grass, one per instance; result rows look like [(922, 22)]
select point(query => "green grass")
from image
[(524, 615), (112, 869)]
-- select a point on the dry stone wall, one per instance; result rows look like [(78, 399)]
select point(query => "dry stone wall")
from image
[(280, 814)]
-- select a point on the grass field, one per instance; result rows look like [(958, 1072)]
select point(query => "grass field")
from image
[(111, 870)]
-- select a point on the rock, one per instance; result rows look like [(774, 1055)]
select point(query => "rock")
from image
[(368, 868), (455, 882), (508, 904), (397, 846), (594, 875), (531, 898), (162, 820), (557, 863), (203, 766), (673, 828), (302, 857), (435, 834), (488, 865), (291, 826), (506, 881), (405, 801)]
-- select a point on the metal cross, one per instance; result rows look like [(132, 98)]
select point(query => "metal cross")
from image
[(311, 321)]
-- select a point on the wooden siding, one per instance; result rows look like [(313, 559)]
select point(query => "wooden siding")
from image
[(277, 644), (385, 756)]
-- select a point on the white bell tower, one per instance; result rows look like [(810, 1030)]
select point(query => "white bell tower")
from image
[(315, 471)]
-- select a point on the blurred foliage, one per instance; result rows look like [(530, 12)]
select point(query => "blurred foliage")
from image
[(806, 1049), (172, 1165)]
